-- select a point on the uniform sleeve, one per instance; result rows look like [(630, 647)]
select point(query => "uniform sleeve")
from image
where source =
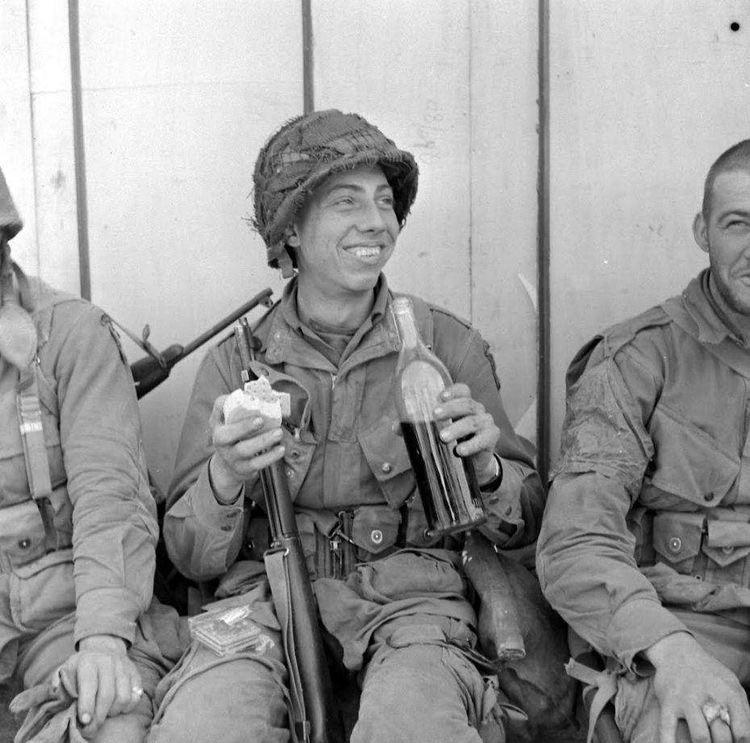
[(203, 537), (114, 514), (585, 555), (515, 508)]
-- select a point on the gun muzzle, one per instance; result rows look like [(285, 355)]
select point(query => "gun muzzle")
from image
[(10, 221)]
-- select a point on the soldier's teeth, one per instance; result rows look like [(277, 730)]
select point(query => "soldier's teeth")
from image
[(366, 252)]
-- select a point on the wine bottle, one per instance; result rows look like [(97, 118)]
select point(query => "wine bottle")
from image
[(446, 482)]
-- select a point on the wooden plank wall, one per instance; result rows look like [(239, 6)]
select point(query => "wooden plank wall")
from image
[(644, 96), (177, 98)]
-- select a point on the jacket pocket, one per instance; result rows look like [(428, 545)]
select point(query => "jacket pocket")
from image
[(688, 463), (375, 529), (677, 539), (388, 460), (42, 591), (727, 547), (22, 537)]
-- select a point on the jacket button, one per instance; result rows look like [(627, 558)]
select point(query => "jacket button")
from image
[(386, 467), (708, 497), (24, 544), (727, 549), (674, 545), (376, 536), (294, 453), (290, 473)]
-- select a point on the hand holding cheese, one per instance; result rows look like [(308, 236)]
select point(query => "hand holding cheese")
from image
[(246, 434)]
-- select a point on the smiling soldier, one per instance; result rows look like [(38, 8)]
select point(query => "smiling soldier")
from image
[(331, 196), (646, 538)]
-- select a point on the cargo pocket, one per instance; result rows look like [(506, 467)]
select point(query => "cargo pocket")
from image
[(726, 547), (42, 591), (374, 530), (688, 465), (22, 536), (677, 539)]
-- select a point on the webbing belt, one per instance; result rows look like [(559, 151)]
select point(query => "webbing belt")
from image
[(35, 449)]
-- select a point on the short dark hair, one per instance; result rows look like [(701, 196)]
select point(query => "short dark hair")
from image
[(736, 157)]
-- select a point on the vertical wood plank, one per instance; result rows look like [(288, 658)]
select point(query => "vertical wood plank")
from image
[(54, 165), (644, 97), (405, 67), (16, 147), (176, 106), (504, 155)]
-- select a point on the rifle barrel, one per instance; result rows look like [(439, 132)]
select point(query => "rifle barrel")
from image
[(259, 298)]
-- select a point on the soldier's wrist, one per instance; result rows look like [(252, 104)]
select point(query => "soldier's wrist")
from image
[(225, 488), (492, 477)]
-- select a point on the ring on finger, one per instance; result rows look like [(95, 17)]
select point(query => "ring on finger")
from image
[(715, 711)]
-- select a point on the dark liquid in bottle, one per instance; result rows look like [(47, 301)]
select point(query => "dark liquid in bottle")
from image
[(447, 483)]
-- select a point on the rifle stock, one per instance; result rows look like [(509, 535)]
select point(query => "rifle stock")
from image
[(310, 685)]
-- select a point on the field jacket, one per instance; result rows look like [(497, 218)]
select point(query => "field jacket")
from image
[(342, 453), (649, 505), (103, 523)]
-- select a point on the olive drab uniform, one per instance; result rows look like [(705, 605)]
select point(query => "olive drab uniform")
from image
[(647, 528), (395, 600), (77, 519)]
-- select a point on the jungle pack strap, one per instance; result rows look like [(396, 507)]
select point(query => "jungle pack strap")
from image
[(34, 448)]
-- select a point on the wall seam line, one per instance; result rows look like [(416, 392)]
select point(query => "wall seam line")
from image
[(32, 117), (308, 80), (79, 152), (543, 246)]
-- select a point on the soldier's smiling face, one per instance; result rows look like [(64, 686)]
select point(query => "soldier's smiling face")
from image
[(346, 232), (725, 235)]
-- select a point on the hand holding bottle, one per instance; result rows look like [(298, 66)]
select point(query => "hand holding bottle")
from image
[(472, 429)]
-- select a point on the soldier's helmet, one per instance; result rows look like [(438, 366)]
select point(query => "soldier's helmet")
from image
[(303, 153)]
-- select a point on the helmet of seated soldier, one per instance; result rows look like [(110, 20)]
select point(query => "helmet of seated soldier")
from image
[(306, 151)]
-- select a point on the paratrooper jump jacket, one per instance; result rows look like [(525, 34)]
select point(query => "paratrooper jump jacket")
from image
[(650, 502), (97, 559)]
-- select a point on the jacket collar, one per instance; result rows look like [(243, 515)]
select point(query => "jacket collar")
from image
[(375, 337), (712, 325)]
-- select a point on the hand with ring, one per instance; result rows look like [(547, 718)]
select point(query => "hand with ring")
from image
[(691, 685)]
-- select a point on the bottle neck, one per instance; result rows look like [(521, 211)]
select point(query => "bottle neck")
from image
[(407, 325)]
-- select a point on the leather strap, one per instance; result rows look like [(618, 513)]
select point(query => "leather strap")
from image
[(279, 580), (34, 449)]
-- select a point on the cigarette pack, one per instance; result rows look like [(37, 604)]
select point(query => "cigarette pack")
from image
[(229, 630)]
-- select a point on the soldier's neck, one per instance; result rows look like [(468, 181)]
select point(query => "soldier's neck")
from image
[(345, 312), (737, 323)]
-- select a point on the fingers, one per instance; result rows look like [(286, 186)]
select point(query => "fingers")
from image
[(667, 725), (246, 445), (739, 714), (107, 686), (720, 732), (698, 727), (471, 424)]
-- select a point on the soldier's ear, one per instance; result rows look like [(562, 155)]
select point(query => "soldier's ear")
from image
[(292, 236), (700, 232)]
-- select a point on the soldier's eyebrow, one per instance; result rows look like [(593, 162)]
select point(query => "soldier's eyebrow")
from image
[(745, 213), (354, 187)]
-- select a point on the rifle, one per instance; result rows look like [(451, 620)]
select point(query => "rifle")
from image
[(312, 714), (152, 370)]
